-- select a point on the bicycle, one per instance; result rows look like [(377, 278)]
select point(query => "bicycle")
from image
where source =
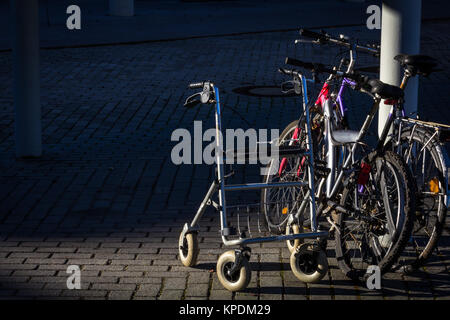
[(421, 144), (418, 142), (365, 215)]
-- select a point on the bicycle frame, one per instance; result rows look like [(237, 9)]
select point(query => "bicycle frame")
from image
[(333, 182), (397, 112)]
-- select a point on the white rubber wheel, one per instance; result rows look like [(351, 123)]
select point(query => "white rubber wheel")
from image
[(188, 249), (240, 279), (309, 265), (293, 229)]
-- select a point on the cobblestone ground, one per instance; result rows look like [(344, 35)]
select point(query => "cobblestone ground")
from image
[(105, 195)]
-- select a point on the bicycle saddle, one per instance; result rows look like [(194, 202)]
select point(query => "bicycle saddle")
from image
[(338, 137), (417, 63), (341, 137), (384, 90)]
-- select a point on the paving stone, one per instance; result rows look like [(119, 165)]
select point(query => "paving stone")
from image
[(141, 280), (84, 293), (220, 295), (124, 273), (148, 290), (175, 283), (114, 287), (120, 295), (169, 294), (197, 290)]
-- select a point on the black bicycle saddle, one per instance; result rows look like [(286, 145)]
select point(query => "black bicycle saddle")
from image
[(417, 63), (384, 90)]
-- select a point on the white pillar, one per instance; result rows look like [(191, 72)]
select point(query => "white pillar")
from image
[(25, 59), (400, 33), (124, 8)]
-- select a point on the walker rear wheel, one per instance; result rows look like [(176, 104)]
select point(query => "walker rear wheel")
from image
[(308, 263)]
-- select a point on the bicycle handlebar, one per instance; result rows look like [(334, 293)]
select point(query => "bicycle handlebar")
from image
[(313, 35), (320, 68), (315, 67), (343, 41)]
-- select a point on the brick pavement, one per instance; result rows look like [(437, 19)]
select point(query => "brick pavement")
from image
[(105, 196)]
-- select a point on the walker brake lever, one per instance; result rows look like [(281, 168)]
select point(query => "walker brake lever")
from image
[(284, 89), (191, 102)]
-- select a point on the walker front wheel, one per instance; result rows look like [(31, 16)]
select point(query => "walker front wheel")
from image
[(232, 277), (188, 249), (308, 263)]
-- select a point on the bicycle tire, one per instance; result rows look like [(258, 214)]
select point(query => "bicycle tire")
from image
[(276, 223), (424, 139), (403, 227)]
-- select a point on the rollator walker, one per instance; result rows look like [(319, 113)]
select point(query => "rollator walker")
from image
[(308, 261)]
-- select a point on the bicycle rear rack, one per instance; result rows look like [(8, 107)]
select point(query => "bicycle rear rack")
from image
[(442, 133)]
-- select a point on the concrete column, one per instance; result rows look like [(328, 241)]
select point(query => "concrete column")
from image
[(25, 59), (124, 8), (400, 33)]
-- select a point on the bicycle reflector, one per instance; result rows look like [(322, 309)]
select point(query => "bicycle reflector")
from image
[(363, 176), (434, 185), (391, 102), (285, 210)]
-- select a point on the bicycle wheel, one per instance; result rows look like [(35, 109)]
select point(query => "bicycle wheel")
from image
[(278, 203), (380, 223), (424, 157)]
